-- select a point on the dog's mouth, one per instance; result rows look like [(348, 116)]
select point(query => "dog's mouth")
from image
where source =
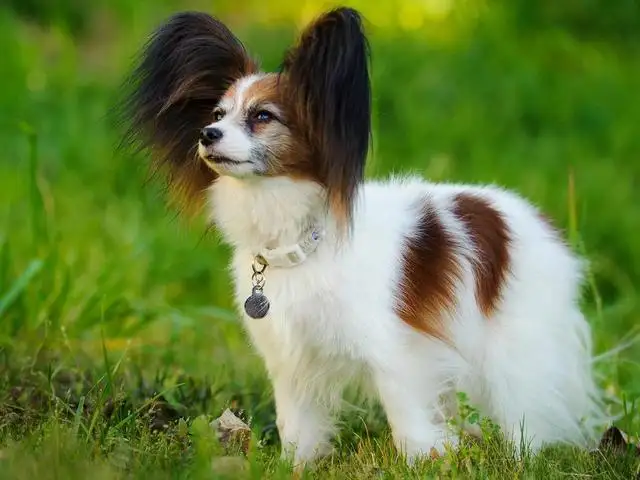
[(220, 160)]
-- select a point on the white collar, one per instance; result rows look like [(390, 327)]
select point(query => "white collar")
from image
[(292, 255)]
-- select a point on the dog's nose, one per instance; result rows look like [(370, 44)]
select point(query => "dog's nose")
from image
[(209, 135)]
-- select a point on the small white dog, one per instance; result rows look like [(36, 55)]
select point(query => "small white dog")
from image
[(414, 289)]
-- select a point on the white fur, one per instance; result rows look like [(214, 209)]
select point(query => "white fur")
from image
[(332, 320), (235, 143)]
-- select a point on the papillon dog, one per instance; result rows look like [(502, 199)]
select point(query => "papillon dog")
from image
[(412, 290)]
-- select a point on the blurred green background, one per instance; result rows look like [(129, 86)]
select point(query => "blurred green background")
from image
[(538, 96)]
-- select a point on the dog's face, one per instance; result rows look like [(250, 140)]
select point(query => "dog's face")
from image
[(248, 134), (201, 105)]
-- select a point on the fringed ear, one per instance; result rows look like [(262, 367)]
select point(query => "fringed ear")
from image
[(183, 71), (327, 79)]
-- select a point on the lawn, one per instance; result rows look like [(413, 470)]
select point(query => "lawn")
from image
[(118, 339)]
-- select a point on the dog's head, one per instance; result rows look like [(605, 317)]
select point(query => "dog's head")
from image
[(203, 108)]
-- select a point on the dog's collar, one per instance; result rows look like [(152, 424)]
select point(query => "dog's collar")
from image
[(292, 255), (257, 304)]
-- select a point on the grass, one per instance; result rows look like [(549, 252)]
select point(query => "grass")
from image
[(118, 341)]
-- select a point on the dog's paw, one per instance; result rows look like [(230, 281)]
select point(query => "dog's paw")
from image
[(431, 447)]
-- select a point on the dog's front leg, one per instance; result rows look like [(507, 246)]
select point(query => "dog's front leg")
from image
[(305, 423)]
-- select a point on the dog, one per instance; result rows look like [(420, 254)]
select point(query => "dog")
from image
[(412, 290)]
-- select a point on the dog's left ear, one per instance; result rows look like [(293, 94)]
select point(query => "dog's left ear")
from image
[(326, 76)]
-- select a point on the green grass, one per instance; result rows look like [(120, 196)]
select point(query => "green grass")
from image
[(118, 341)]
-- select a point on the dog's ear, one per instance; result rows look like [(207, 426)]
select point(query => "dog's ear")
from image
[(326, 76), (182, 72)]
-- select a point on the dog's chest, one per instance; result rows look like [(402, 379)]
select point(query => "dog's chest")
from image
[(306, 307)]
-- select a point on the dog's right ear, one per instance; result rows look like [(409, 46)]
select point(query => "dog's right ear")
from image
[(184, 69)]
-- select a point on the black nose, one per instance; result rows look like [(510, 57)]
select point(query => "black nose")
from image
[(209, 135)]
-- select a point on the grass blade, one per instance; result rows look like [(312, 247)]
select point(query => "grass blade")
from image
[(77, 417), (19, 285), (37, 210), (4, 264)]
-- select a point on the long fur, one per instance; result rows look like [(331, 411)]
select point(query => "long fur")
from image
[(438, 289), (328, 83), (186, 66)]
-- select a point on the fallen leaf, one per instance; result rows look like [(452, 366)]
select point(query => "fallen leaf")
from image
[(232, 432), (616, 441), (613, 439)]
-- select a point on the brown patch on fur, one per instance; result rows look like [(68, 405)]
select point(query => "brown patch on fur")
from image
[(288, 151), (264, 89), (187, 184), (291, 153), (327, 86), (259, 94), (490, 235), (231, 92), (341, 209), (430, 271)]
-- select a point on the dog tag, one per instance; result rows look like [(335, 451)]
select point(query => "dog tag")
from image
[(257, 305)]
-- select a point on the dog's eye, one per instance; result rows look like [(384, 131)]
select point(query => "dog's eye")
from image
[(263, 116), (218, 114)]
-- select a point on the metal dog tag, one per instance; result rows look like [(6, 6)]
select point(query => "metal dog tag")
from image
[(257, 305)]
